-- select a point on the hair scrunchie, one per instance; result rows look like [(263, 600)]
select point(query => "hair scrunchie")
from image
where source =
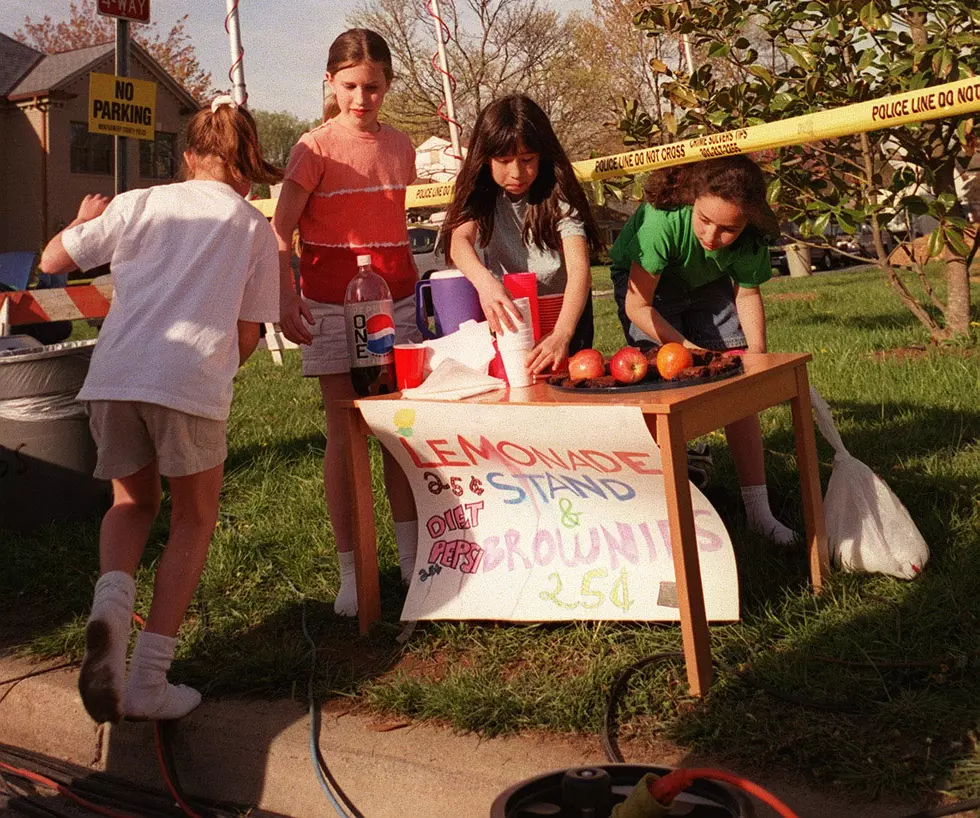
[(224, 99)]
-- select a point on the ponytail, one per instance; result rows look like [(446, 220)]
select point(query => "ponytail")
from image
[(228, 132)]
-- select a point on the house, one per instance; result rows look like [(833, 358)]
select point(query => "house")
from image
[(49, 160)]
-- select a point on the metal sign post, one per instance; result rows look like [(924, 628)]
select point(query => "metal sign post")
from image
[(122, 70), (124, 10)]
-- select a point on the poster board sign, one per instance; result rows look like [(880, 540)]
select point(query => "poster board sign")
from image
[(136, 11), (533, 513), (121, 106)]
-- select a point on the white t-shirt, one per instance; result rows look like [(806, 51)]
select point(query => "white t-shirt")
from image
[(189, 260)]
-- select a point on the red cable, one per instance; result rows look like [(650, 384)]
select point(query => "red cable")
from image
[(671, 785), (44, 781), (446, 36), (184, 806)]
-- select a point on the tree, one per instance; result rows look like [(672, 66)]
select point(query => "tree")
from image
[(828, 53), (631, 61), (278, 132), (496, 47), (85, 27)]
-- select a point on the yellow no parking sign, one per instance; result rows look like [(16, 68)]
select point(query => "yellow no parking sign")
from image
[(121, 106)]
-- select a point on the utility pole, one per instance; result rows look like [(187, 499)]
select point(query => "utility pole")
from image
[(447, 87), (237, 73)]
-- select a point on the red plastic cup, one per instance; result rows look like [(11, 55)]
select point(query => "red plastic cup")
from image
[(409, 365), (549, 308), (525, 285)]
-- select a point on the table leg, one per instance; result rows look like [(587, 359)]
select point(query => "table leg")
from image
[(806, 459), (362, 522), (684, 546)]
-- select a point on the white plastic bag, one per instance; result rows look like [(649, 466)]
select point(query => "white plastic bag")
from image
[(868, 528)]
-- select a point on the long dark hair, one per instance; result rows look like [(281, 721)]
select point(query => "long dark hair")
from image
[(229, 133), (501, 128), (353, 47), (735, 179)]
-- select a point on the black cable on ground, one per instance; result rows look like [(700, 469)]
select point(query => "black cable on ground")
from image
[(608, 735), (314, 708), (115, 792)]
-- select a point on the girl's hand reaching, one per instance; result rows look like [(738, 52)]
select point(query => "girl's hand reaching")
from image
[(551, 351), (293, 312), (498, 308), (92, 206)]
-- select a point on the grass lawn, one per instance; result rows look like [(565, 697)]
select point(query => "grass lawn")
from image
[(903, 657)]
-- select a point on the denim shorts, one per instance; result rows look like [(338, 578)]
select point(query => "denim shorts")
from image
[(327, 355), (706, 315)]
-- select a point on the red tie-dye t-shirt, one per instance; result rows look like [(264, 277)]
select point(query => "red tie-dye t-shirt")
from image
[(356, 183)]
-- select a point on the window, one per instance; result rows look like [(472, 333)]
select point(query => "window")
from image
[(157, 157), (90, 152)]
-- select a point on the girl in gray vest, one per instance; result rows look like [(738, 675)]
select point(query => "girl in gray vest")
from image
[(518, 199)]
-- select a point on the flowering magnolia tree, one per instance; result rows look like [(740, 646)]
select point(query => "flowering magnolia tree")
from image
[(762, 61)]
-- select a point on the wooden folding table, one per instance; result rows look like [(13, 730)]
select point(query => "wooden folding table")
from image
[(674, 417)]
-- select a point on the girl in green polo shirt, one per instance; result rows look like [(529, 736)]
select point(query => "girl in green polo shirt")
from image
[(687, 268)]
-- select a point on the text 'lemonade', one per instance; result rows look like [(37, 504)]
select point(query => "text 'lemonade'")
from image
[(369, 314)]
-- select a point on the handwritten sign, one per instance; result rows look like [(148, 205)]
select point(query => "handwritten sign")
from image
[(540, 513)]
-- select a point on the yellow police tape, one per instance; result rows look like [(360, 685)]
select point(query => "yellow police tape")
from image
[(951, 99), (936, 102)]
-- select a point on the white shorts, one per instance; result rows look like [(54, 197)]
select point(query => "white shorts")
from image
[(327, 355)]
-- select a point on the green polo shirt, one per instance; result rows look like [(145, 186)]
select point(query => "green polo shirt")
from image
[(663, 243)]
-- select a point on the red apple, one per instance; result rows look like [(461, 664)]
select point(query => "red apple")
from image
[(629, 365), (586, 363)]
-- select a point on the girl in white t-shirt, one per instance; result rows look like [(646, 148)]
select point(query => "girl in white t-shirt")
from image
[(195, 274)]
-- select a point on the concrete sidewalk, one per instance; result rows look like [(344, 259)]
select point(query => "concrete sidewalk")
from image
[(257, 753)]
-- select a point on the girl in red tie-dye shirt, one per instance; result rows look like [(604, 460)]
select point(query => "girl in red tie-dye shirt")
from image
[(345, 188)]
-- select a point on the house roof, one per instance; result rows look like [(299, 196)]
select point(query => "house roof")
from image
[(16, 59), (53, 71)]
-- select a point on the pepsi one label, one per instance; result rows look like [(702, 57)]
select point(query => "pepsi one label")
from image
[(370, 333)]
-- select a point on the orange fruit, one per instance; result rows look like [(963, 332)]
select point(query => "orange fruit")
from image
[(672, 358)]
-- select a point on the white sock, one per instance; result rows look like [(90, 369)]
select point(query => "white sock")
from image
[(148, 694), (106, 638), (407, 538), (346, 602), (761, 519)]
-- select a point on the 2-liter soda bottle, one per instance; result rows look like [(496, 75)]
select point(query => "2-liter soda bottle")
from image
[(370, 316)]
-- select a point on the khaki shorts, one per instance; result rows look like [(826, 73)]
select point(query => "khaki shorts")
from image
[(131, 435), (327, 355)]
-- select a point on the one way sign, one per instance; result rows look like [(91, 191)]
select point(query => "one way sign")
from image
[(138, 11)]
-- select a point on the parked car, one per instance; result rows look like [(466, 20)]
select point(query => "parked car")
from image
[(422, 238), (865, 241), (823, 256), (824, 249)]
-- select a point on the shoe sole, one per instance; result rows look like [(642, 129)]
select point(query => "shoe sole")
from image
[(99, 695)]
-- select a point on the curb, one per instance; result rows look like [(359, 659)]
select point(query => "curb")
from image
[(257, 753)]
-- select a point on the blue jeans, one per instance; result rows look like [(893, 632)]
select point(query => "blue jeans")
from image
[(706, 315)]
